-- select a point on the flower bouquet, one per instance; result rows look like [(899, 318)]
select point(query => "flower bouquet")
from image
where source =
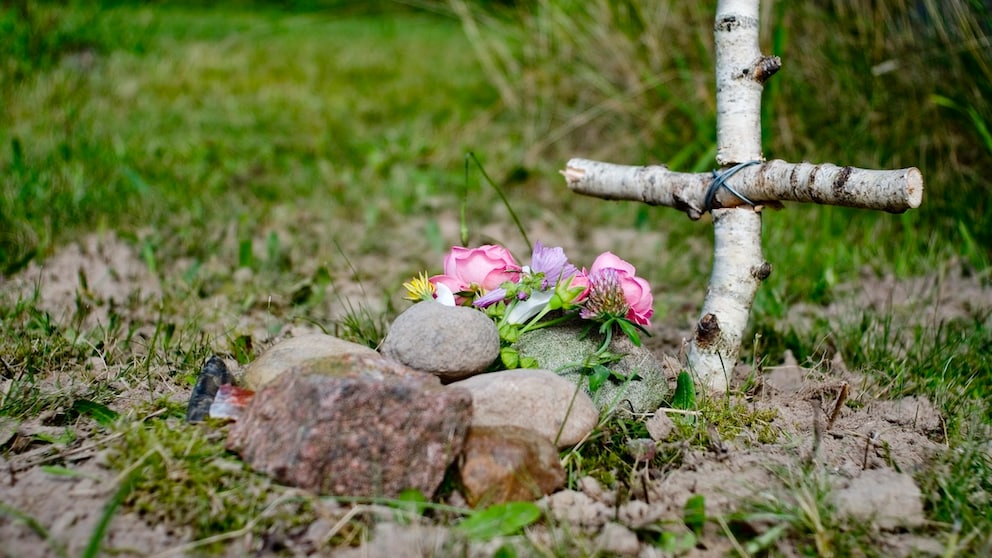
[(551, 291)]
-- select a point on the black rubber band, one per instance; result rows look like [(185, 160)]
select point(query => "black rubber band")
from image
[(720, 179)]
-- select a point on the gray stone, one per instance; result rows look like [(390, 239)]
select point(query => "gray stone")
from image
[(562, 350), (888, 499), (789, 377), (295, 351), (659, 426), (452, 342), (354, 425), (508, 464), (577, 509), (617, 540), (531, 398), (394, 540)]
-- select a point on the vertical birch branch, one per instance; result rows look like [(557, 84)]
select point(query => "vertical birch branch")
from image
[(738, 265)]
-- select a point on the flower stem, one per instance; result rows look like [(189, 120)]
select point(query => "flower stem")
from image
[(536, 323)]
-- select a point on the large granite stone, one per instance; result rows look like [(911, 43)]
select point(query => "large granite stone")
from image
[(354, 425)]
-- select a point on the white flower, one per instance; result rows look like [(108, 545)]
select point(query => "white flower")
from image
[(443, 294), (523, 310)]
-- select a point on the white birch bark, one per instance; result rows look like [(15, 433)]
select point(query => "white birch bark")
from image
[(738, 270), (738, 93), (738, 266), (775, 181)]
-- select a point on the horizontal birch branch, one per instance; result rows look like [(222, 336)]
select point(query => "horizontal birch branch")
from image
[(774, 181)]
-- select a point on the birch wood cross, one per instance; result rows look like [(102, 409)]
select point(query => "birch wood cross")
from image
[(738, 266)]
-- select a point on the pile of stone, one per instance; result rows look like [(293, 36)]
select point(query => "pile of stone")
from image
[(343, 419)]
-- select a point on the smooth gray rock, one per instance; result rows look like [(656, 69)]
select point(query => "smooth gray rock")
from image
[(560, 349), (536, 399), (451, 342), (293, 352), (354, 425)]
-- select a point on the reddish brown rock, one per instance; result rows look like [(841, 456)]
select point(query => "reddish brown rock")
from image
[(354, 425), (508, 464)]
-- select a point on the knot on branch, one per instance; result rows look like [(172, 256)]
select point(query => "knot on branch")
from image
[(707, 330), (762, 271), (764, 68)]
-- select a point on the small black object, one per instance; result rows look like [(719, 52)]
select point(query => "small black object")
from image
[(213, 375)]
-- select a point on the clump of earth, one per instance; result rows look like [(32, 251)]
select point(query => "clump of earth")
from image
[(866, 451)]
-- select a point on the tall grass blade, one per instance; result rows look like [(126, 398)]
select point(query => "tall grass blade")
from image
[(92, 549), (502, 196)]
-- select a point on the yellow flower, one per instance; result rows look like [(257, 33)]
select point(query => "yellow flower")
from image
[(419, 288)]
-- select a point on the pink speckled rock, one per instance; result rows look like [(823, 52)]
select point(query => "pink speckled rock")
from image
[(354, 425)]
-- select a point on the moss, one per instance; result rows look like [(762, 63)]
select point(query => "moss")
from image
[(735, 420), (184, 478)]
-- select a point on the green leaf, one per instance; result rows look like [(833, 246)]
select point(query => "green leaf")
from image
[(676, 544), (598, 377), (102, 414), (509, 333), (246, 258), (243, 349), (411, 501), (499, 520), (60, 471), (766, 539), (685, 393), (528, 362), (510, 357), (631, 331), (694, 513), (67, 436), (322, 277)]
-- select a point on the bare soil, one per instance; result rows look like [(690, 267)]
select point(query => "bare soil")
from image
[(865, 454)]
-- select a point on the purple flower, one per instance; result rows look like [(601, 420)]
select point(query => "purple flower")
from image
[(552, 262), (490, 298)]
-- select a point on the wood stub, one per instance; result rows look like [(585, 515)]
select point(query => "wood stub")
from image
[(894, 191), (653, 185), (765, 67)]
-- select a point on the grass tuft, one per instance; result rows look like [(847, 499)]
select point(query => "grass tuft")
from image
[(181, 475)]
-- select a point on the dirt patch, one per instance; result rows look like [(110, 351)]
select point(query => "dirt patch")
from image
[(866, 449), (89, 278)]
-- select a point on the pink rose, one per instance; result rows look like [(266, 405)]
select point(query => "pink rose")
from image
[(477, 270), (636, 290)]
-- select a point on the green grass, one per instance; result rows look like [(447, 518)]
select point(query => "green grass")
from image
[(250, 155)]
